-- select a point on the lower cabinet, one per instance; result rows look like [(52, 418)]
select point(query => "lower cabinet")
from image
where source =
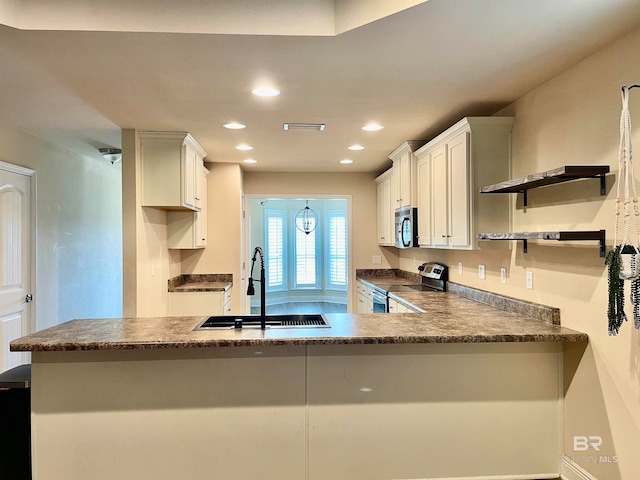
[(364, 300), (187, 304), (399, 307)]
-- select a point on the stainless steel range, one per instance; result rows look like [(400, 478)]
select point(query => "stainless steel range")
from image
[(434, 278)]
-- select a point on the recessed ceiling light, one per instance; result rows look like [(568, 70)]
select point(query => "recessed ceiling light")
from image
[(250, 160), (265, 91), (234, 126), (356, 147), (244, 148), (372, 127), (346, 161)]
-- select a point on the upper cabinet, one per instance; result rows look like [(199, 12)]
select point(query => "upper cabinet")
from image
[(187, 230), (403, 177), (385, 209), (172, 165), (451, 169)]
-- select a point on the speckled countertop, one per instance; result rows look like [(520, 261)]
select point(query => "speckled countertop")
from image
[(210, 282), (448, 318)]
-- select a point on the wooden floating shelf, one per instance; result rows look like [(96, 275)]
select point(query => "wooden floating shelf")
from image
[(550, 177), (598, 235)]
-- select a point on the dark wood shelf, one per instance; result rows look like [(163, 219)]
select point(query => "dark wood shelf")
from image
[(597, 235), (550, 177)]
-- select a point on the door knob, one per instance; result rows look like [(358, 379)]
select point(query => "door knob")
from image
[(28, 298)]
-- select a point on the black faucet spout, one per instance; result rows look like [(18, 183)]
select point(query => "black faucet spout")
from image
[(251, 289)]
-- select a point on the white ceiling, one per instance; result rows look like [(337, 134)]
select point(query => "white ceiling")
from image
[(415, 71)]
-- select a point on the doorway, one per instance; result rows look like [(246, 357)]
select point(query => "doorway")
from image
[(305, 244), (15, 257)]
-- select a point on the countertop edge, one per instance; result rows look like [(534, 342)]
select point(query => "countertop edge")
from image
[(370, 340)]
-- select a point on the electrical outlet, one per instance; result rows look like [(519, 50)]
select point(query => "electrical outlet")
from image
[(503, 275), (377, 260), (481, 272), (459, 268), (530, 280)]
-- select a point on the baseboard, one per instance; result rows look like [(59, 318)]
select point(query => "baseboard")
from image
[(570, 470), (537, 476)]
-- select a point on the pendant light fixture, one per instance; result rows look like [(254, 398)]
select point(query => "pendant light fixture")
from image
[(306, 220)]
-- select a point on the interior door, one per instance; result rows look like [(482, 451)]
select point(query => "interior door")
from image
[(15, 265)]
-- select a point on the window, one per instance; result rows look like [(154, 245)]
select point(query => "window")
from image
[(336, 278), (275, 248), (295, 260), (306, 255)]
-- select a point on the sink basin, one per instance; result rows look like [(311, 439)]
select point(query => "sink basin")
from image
[(229, 322)]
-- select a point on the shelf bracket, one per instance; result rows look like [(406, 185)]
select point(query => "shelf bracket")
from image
[(524, 245), (603, 186), (524, 199)]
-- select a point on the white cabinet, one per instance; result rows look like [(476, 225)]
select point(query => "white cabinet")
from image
[(187, 230), (403, 178), (188, 304), (396, 306), (424, 200), (452, 168), (385, 210), (171, 166), (364, 300)]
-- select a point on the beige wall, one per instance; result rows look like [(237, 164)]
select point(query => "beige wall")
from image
[(148, 263), (573, 120), (78, 229)]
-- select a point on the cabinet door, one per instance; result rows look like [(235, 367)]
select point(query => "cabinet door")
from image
[(364, 304), (423, 172), (439, 197), (196, 303), (393, 306), (200, 234), (405, 180), (458, 160), (189, 168), (385, 213)]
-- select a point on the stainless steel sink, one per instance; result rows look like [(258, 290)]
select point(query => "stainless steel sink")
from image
[(230, 322)]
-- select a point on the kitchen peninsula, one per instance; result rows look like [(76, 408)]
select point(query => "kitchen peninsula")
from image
[(373, 396)]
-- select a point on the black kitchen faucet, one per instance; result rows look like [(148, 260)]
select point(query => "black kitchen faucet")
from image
[(252, 291)]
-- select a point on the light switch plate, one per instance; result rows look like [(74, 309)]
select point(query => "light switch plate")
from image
[(377, 260), (459, 268), (503, 275), (481, 272), (529, 277)]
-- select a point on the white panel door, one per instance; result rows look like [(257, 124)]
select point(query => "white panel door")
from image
[(15, 268)]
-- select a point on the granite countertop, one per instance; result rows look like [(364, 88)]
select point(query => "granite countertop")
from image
[(209, 282), (448, 318)]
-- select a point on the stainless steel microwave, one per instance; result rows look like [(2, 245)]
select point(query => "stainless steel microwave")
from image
[(406, 227)]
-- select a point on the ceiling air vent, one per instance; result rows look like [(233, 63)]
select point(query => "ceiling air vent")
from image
[(310, 127)]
